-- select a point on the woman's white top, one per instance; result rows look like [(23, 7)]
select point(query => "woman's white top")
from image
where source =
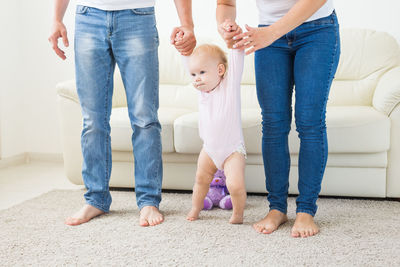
[(116, 4), (272, 10)]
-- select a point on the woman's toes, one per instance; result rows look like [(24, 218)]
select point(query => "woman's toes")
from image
[(257, 227), (303, 233), (295, 233)]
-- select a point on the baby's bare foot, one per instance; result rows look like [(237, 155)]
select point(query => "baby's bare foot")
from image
[(304, 225), (236, 218), (271, 222), (193, 214), (85, 214), (150, 216)]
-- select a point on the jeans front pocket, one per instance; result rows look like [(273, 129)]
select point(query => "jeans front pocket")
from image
[(143, 11), (81, 9)]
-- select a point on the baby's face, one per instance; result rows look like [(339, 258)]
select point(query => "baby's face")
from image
[(206, 72)]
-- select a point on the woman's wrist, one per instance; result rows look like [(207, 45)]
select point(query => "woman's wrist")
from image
[(275, 31)]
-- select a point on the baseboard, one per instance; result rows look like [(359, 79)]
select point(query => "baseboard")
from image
[(49, 157), (30, 156), (14, 160)]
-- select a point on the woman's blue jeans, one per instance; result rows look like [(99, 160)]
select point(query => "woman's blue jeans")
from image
[(128, 38), (307, 58)]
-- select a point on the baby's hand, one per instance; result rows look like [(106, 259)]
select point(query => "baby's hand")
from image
[(229, 25), (179, 36), (228, 29)]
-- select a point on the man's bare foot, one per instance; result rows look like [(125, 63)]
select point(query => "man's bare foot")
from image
[(85, 214), (193, 214), (236, 218), (271, 222), (304, 225), (150, 216)]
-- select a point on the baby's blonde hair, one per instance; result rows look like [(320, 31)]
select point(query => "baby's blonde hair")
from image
[(214, 51)]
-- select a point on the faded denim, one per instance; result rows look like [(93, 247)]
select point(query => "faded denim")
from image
[(128, 38)]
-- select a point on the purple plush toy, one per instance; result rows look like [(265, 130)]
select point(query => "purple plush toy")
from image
[(218, 193)]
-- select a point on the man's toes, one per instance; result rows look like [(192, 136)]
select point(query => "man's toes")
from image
[(156, 221), (72, 221), (143, 222)]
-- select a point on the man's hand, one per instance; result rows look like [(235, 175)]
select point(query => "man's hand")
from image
[(58, 31), (183, 39), (228, 29), (255, 39)]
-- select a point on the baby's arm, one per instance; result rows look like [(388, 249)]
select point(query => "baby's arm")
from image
[(185, 59), (235, 65), (236, 56)]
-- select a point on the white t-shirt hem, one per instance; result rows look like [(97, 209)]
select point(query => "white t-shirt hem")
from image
[(116, 5), (271, 11)]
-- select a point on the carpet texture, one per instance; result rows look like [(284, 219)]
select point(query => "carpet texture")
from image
[(353, 233)]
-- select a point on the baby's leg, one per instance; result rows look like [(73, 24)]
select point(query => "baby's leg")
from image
[(234, 172), (204, 175)]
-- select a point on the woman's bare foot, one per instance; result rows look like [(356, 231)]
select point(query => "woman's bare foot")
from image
[(150, 216), (85, 214), (193, 214), (304, 225), (271, 222), (236, 218)]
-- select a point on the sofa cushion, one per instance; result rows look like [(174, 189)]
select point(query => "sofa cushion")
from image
[(121, 131), (178, 96), (365, 57), (351, 129), (356, 129), (186, 134)]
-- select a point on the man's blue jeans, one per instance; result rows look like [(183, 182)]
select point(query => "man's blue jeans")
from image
[(307, 58), (130, 39)]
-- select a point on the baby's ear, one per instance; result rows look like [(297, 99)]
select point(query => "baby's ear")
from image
[(221, 69)]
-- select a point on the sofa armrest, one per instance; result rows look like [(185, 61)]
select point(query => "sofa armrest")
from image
[(387, 92), (393, 168), (67, 89)]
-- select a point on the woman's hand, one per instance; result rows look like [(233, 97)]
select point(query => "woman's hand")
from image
[(228, 29), (254, 39)]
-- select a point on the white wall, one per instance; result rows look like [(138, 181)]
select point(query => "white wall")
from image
[(12, 107), (30, 71)]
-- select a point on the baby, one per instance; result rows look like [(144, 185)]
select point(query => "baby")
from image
[(220, 124)]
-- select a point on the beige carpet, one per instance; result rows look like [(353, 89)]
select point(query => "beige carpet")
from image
[(354, 233)]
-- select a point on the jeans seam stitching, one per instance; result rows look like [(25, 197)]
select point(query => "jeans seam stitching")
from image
[(106, 181)]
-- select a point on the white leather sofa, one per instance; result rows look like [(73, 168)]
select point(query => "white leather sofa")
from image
[(363, 122)]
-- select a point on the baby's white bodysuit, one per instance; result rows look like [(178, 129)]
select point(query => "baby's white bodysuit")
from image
[(220, 121)]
